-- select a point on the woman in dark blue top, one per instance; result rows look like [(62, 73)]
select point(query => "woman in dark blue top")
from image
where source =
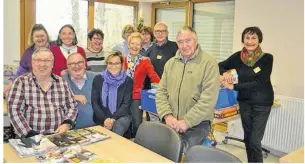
[(112, 96), (255, 92)]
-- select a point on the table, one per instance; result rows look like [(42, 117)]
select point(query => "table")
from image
[(296, 156), (116, 148)]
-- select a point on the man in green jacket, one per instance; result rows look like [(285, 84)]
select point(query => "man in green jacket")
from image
[(188, 90)]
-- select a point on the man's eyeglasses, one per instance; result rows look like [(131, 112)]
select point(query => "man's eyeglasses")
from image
[(160, 31), (74, 64), (114, 64), (45, 61)]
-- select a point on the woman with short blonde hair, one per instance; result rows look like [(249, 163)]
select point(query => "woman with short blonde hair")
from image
[(138, 67)]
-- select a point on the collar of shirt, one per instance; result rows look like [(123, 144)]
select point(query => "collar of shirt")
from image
[(162, 43), (79, 83)]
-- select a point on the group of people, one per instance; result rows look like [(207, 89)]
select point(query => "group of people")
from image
[(55, 91)]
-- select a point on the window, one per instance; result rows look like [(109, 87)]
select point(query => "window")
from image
[(111, 18), (214, 24), (56, 13), (173, 18)]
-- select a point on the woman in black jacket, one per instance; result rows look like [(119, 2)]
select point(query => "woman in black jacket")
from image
[(255, 92), (112, 95)]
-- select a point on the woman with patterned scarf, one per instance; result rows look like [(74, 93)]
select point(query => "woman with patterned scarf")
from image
[(112, 96), (255, 92), (137, 67)]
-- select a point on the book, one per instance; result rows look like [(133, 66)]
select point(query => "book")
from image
[(226, 115), (226, 110), (73, 154), (23, 151)]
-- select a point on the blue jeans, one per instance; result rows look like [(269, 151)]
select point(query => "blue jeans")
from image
[(121, 125), (195, 135)]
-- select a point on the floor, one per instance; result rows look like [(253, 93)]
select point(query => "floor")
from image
[(238, 149)]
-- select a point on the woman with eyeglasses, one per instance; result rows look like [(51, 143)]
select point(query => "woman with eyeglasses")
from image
[(94, 51), (112, 95), (138, 67), (66, 45), (123, 46)]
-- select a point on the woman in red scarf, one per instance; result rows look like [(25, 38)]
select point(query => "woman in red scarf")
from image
[(255, 92), (138, 67)]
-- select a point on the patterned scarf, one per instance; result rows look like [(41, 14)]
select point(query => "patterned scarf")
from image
[(110, 88), (250, 60), (132, 64)]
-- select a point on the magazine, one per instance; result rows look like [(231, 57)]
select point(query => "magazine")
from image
[(40, 144), (80, 136), (44, 146), (73, 154)]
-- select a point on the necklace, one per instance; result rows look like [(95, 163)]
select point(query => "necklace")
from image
[(67, 49)]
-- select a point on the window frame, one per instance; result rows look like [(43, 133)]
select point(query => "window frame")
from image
[(28, 17), (188, 5)]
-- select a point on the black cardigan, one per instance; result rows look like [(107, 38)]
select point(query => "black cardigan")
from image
[(254, 84), (124, 99)]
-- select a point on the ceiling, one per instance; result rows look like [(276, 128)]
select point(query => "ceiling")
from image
[(157, 0)]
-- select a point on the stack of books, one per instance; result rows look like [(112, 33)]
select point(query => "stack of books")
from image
[(226, 112)]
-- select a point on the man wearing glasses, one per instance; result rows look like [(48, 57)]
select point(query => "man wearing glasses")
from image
[(39, 101), (80, 82), (163, 49)]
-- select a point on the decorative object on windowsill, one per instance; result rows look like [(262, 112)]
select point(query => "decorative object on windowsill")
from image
[(141, 24)]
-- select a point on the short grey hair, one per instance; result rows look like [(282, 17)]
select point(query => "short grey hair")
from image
[(36, 52), (75, 53), (159, 23), (188, 28)]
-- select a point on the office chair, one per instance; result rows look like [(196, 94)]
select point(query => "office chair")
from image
[(160, 139), (205, 154)]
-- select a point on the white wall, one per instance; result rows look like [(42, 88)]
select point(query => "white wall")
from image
[(11, 28), (145, 12), (282, 24)]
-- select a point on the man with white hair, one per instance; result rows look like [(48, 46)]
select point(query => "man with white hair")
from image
[(188, 90), (39, 101)]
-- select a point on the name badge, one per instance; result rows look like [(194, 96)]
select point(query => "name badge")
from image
[(159, 57), (256, 70)]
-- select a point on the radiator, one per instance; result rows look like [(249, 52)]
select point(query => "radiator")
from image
[(285, 127)]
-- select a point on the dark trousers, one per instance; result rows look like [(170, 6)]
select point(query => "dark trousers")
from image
[(254, 119), (137, 116), (121, 125), (195, 135)]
